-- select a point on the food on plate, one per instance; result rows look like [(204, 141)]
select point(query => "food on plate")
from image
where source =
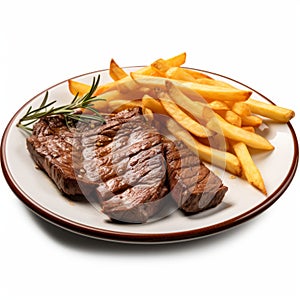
[(193, 186), (250, 170), (146, 134), (122, 162)]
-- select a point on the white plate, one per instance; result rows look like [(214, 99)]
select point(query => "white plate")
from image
[(241, 202)]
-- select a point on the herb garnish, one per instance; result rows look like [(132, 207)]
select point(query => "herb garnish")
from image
[(72, 112)]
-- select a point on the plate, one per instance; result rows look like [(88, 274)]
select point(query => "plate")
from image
[(241, 203)]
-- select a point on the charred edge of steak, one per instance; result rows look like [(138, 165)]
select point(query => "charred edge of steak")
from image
[(193, 186)]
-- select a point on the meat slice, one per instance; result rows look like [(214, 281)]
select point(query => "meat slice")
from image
[(133, 174), (57, 151), (124, 164), (193, 186), (121, 162)]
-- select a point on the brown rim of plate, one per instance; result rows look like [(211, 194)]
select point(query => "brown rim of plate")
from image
[(151, 238)]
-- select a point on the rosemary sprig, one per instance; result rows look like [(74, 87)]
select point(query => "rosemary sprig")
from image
[(73, 112)]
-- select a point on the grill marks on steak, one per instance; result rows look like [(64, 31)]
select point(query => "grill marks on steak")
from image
[(193, 186), (122, 160), (56, 150), (132, 175), (126, 163)]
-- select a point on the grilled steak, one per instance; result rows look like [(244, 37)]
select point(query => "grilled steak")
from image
[(54, 147), (122, 160), (125, 164), (193, 186), (130, 169)]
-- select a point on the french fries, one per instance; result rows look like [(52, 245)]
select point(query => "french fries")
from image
[(115, 72), (154, 105), (186, 121), (78, 88), (208, 92), (277, 113), (235, 133), (249, 168), (213, 118)]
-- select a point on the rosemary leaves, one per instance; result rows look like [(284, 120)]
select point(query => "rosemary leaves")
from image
[(73, 112)]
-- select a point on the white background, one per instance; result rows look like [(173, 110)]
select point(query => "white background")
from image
[(45, 42)]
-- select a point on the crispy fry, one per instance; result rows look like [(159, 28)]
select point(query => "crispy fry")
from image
[(197, 74), (118, 105), (209, 93), (180, 74), (126, 85), (216, 141), (115, 72), (106, 87), (184, 120), (248, 128), (232, 118), (147, 112), (235, 133), (219, 158), (218, 105), (250, 170), (254, 121), (241, 108), (78, 88), (200, 111), (271, 111), (210, 81), (160, 66), (174, 61), (154, 105)]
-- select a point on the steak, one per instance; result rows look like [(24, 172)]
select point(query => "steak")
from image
[(121, 162), (125, 164), (193, 186)]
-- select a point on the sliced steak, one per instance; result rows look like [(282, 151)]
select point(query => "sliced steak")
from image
[(56, 150), (121, 162), (133, 174), (193, 186)]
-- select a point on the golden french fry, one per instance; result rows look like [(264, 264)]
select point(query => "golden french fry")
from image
[(147, 112), (238, 134), (197, 74), (78, 88), (154, 105), (232, 118), (177, 60), (209, 93), (126, 85), (118, 105), (241, 108), (216, 157), (180, 74), (250, 170), (106, 87), (214, 82), (218, 105), (174, 61), (248, 128), (200, 111), (115, 72), (160, 66), (253, 121), (216, 141), (184, 120), (271, 111)]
